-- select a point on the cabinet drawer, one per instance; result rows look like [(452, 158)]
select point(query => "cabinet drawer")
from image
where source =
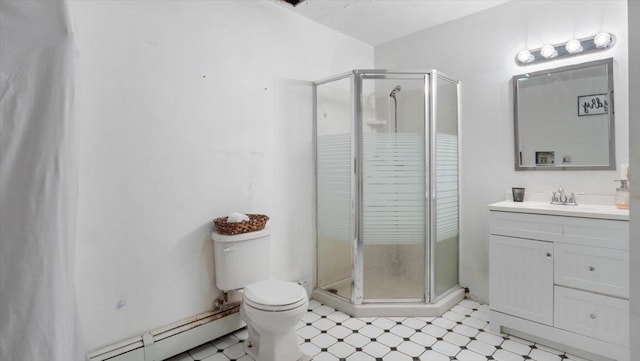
[(522, 225), (601, 317), (595, 269), (596, 232)]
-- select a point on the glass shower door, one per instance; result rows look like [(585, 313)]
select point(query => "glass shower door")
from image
[(393, 212)]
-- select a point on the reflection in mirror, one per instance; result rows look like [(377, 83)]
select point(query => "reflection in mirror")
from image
[(564, 118)]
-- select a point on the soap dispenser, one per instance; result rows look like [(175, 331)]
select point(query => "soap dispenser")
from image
[(622, 195)]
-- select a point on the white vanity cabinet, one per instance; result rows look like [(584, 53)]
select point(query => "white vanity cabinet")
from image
[(561, 277)]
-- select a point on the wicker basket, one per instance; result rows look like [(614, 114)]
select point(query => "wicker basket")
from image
[(256, 222)]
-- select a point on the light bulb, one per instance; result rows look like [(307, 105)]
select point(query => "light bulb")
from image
[(524, 56), (602, 40), (573, 46), (548, 51)]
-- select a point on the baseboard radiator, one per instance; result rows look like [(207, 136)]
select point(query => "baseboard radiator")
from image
[(168, 341)]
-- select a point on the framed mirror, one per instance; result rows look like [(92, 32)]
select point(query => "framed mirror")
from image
[(564, 118)]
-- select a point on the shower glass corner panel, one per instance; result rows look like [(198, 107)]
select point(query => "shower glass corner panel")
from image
[(334, 187), (385, 142), (446, 184)]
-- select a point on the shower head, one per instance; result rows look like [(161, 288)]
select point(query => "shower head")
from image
[(394, 91)]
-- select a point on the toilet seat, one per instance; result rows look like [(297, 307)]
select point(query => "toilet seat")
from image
[(274, 295)]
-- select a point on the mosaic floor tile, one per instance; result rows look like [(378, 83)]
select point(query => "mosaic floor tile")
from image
[(414, 323), (403, 331), (446, 348), (423, 339), (456, 339), (203, 351), (376, 349), (516, 347), (323, 340), (411, 348), (234, 352), (357, 340), (384, 323), (341, 349)]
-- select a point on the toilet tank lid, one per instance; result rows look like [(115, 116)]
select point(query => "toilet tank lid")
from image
[(217, 237), (273, 292)]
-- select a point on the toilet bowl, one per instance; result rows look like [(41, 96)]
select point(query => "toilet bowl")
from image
[(271, 309)]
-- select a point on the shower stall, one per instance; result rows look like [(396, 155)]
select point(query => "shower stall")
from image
[(387, 192)]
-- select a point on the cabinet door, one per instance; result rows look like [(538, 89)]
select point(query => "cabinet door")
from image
[(521, 278)]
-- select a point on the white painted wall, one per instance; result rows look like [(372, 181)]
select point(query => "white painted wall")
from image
[(634, 149), (189, 110), (479, 50)]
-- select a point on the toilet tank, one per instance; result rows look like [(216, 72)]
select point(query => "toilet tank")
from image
[(241, 259)]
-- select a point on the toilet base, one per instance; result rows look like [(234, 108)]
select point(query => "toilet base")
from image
[(272, 335), (250, 351), (271, 324)]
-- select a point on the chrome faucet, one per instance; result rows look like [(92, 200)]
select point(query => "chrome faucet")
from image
[(561, 197)]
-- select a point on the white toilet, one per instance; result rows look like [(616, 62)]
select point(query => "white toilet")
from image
[(271, 308)]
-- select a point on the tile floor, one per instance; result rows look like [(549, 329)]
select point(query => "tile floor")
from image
[(327, 334)]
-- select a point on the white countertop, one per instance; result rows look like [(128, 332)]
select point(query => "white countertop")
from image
[(582, 210)]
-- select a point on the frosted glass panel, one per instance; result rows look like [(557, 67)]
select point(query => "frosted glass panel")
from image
[(393, 180), (334, 186), (446, 148), (394, 202), (333, 165), (446, 186)]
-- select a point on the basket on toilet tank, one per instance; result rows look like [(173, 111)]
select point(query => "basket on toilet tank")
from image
[(256, 222)]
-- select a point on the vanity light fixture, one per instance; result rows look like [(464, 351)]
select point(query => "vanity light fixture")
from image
[(573, 47), (524, 56), (548, 51), (602, 40)]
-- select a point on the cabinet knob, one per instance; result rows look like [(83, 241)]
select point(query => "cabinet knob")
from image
[(592, 268), (549, 255), (592, 316)]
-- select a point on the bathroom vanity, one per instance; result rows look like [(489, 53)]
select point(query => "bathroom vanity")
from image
[(561, 274)]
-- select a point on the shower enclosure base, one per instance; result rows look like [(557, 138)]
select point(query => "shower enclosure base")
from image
[(396, 309)]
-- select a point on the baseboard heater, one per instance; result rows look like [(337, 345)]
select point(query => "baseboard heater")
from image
[(168, 341)]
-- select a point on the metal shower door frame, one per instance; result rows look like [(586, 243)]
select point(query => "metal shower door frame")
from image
[(357, 196)]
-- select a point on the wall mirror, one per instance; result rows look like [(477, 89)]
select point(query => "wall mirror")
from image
[(564, 118)]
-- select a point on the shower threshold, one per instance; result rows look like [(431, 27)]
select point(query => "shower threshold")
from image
[(402, 308)]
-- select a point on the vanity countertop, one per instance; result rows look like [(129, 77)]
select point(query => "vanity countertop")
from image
[(582, 210)]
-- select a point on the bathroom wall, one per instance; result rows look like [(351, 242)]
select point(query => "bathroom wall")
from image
[(479, 50), (189, 110)]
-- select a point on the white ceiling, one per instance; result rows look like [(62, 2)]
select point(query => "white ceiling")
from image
[(379, 21)]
